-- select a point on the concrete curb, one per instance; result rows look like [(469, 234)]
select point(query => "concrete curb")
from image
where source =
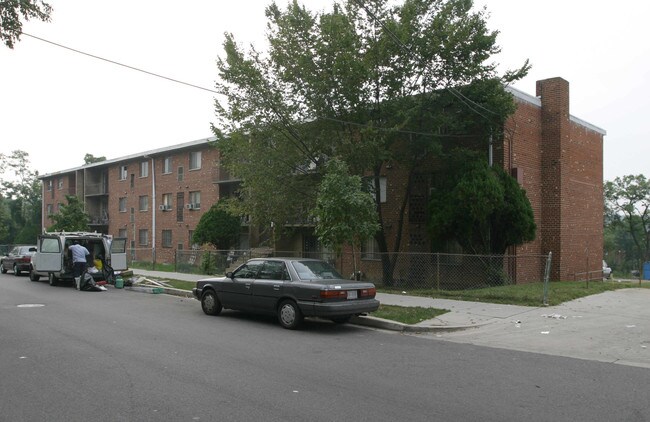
[(385, 324)]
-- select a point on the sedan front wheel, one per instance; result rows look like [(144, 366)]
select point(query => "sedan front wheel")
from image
[(289, 315), (210, 303)]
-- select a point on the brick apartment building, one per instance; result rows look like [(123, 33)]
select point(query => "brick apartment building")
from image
[(156, 198)]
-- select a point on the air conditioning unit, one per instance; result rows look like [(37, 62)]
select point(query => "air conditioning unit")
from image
[(165, 207), (189, 206)]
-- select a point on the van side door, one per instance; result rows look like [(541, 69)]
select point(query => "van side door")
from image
[(49, 257), (118, 254)]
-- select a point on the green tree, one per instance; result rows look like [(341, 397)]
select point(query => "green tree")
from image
[(89, 159), (627, 204), (368, 82), (480, 207), (345, 212), (11, 13), (71, 217), (218, 227), (21, 189)]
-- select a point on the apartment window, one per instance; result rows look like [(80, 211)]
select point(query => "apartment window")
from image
[(49, 209), (382, 188), (122, 202), (60, 184), (121, 233), (179, 246), (180, 204), (143, 237), (166, 202), (144, 169), (195, 200), (370, 250), (49, 185), (191, 242), (167, 165), (58, 207), (180, 174), (123, 172), (143, 202), (167, 238), (195, 160), (132, 180)]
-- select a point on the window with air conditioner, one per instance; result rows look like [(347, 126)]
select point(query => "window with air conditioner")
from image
[(195, 200), (123, 172)]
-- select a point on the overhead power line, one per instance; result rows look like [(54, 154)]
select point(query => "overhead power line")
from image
[(121, 64)]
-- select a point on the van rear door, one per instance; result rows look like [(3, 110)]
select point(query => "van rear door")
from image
[(49, 257), (118, 254)]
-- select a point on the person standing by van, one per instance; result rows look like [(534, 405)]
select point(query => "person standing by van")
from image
[(79, 261)]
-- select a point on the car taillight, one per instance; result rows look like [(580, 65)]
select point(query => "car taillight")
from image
[(333, 294), (25, 259), (371, 292)]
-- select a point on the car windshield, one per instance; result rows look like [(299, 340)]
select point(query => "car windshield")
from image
[(309, 270)]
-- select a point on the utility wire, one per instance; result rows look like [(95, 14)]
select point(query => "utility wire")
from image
[(121, 64)]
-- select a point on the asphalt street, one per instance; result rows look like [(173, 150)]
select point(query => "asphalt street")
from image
[(117, 355)]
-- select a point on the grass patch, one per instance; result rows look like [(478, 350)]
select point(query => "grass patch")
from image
[(180, 284), (525, 294), (407, 315)]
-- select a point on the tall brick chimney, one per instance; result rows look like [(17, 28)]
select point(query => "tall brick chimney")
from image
[(554, 95)]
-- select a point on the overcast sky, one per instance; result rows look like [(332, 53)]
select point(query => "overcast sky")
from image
[(59, 105)]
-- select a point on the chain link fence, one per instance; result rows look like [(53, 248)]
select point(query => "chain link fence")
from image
[(399, 270)]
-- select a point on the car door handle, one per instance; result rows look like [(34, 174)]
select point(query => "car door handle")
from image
[(248, 285), (276, 287)]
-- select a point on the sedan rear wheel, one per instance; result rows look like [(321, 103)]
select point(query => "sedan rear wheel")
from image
[(210, 303), (289, 315), (16, 270), (52, 279)]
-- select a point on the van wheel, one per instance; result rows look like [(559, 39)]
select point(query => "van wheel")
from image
[(2, 268), (33, 276), (52, 279)]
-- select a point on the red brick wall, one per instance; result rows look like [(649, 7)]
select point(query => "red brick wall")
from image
[(193, 180)]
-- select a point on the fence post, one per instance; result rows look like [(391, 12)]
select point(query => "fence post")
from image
[(547, 274), (437, 270)]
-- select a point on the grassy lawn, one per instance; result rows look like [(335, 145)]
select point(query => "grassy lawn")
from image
[(407, 315), (525, 294)]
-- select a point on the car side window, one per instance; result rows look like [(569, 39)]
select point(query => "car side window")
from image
[(248, 270), (274, 270)]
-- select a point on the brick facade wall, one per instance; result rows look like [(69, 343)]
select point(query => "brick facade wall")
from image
[(557, 159)]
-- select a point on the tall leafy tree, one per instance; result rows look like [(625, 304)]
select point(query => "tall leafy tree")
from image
[(20, 187), (627, 203), (89, 159), (369, 82), (12, 12), (71, 216)]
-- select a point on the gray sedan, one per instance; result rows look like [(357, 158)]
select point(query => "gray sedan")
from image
[(291, 288)]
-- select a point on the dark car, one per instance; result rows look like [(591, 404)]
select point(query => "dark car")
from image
[(18, 260), (291, 288)]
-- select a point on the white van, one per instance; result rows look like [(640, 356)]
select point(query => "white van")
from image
[(53, 260)]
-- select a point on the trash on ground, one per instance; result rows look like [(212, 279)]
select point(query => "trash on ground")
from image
[(554, 316), (545, 332)]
